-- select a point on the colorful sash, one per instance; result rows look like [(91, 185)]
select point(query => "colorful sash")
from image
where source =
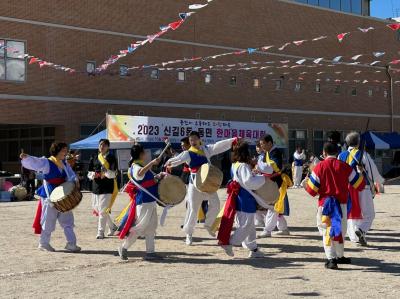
[(225, 229), (332, 217), (106, 165), (280, 205)]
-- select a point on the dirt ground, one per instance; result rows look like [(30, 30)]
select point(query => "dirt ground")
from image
[(293, 266)]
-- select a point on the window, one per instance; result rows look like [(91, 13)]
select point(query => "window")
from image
[(324, 3), (370, 92), (141, 113), (278, 84), (34, 140), (123, 70), (155, 74), (223, 116), (181, 76), (386, 93), (297, 137), (232, 81), (318, 141), (318, 87), (256, 83), (337, 89), (90, 67), (253, 118), (207, 79), (297, 86), (356, 7), (353, 91), (346, 5), (12, 60), (198, 115)]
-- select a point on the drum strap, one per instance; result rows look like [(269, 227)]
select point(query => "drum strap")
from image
[(165, 210)]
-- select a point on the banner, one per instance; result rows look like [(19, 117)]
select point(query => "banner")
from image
[(123, 128)]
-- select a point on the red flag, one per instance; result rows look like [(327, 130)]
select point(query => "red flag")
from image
[(175, 25), (42, 64), (394, 26), (33, 60), (397, 61), (341, 36), (225, 229)]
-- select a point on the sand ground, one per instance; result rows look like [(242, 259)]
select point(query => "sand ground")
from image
[(293, 266)]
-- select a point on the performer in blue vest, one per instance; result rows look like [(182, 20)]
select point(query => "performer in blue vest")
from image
[(142, 220), (298, 161), (197, 155), (56, 171)]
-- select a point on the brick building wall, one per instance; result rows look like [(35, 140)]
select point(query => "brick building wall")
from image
[(99, 29)]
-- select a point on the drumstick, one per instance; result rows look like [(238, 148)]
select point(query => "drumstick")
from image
[(168, 144)]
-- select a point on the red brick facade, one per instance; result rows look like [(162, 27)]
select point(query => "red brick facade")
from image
[(225, 23)]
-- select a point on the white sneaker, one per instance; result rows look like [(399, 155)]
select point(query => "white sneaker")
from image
[(100, 236), (210, 232), (256, 254), (264, 234), (46, 247), (123, 253), (285, 232), (189, 240), (228, 250), (72, 247)]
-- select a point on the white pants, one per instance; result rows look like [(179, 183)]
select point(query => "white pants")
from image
[(101, 203), (49, 218), (145, 226), (245, 233), (273, 219), (297, 175), (259, 218), (336, 249), (194, 200), (368, 214)]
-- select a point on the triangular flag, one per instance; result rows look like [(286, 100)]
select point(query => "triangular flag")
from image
[(341, 36), (337, 59), (251, 50), (175, 25), (397, 61), (301, 61), (394, 26), (378, 54), (375, 62), (355, 57), (319, 38), (318, 60), (197, 6), (365, 30), (265, 48), (33, 60), (284, 46), (299, 42)]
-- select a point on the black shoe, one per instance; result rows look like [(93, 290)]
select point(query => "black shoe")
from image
[(331, 264), (343, 260), (361, 237)]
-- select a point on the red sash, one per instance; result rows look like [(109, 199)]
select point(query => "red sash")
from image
[(37, 226), (355, 211), (132, 190), (225, 229)]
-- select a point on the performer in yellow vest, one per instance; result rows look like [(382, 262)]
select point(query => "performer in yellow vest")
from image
[(103, 172), (271, 164)]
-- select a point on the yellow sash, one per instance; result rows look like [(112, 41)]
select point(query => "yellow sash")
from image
[(217, 222), (197, 151), (59, 163), (327, 221), (106, 165), (279, 206)]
